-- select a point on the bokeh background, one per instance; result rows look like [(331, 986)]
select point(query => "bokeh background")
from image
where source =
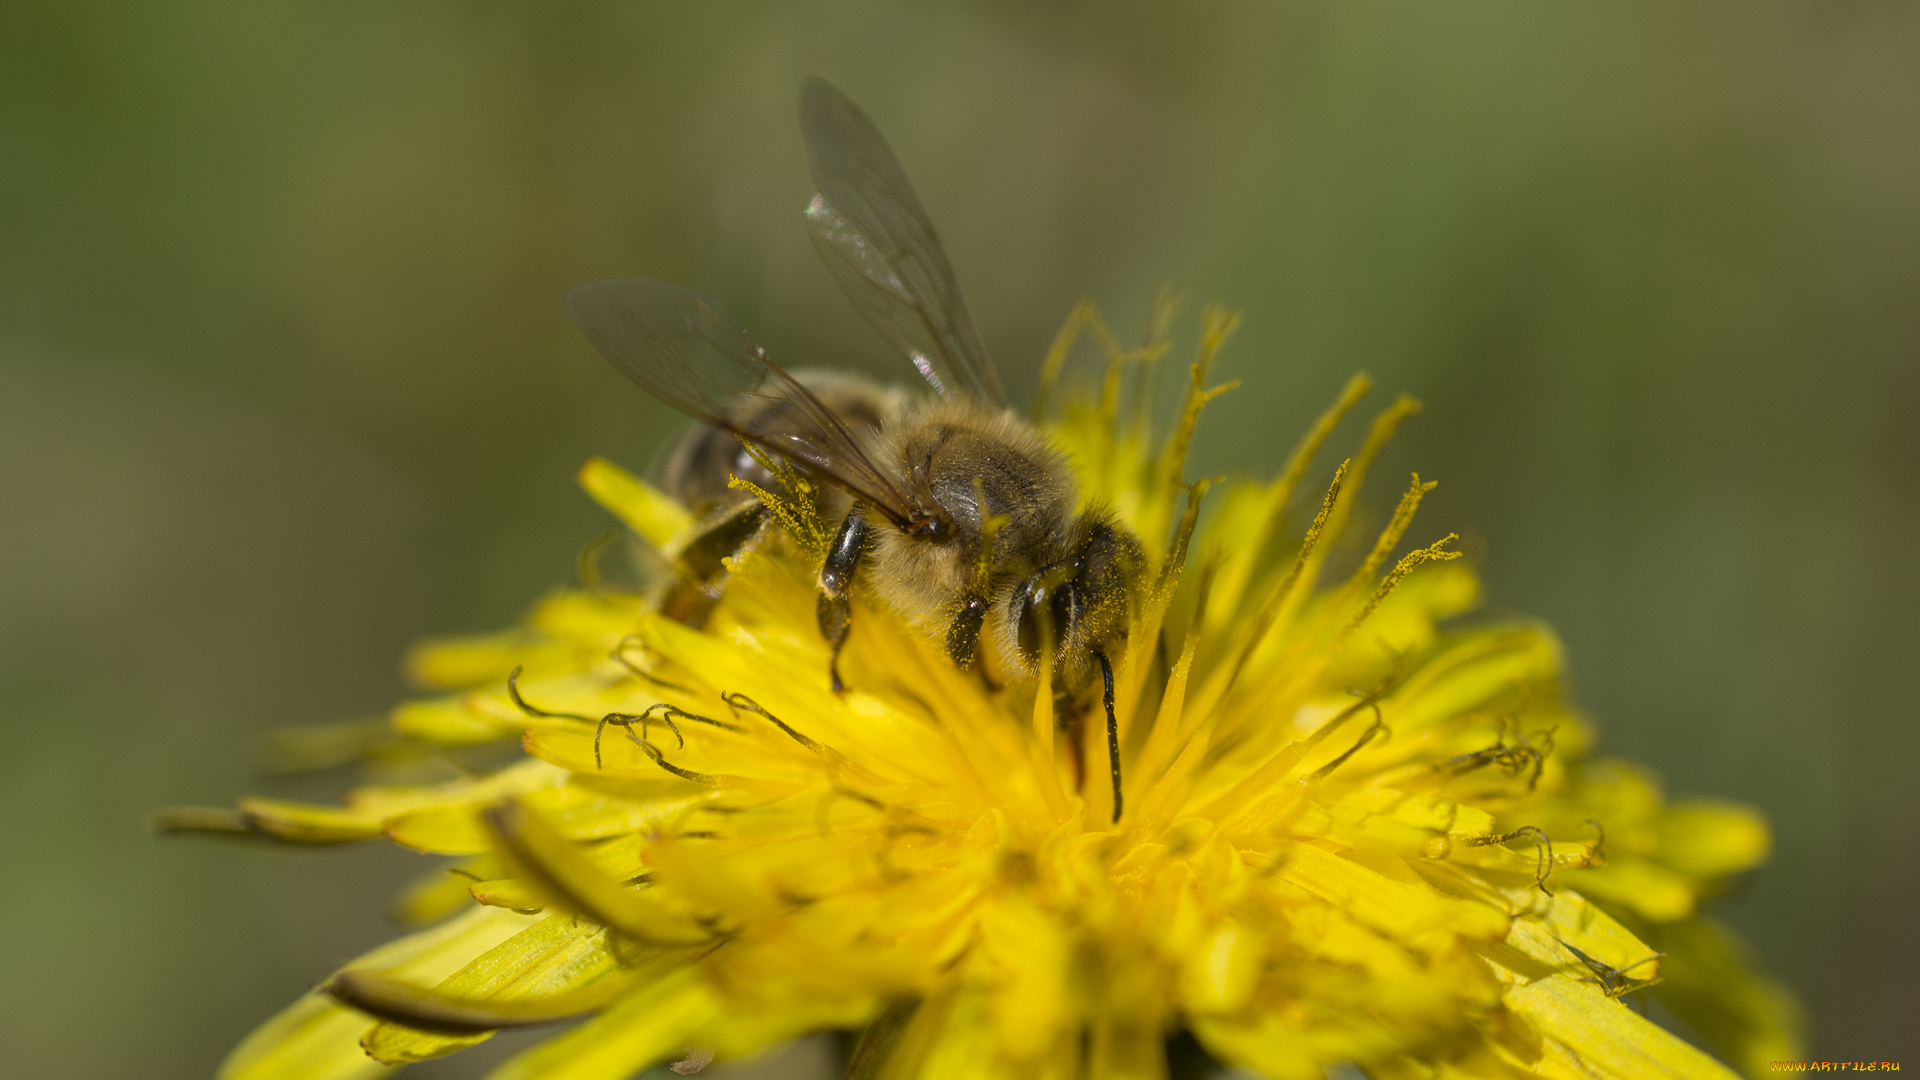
[(285, 383)]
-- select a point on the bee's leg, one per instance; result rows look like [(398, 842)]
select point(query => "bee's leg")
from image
[(1113, 728), (963, 638), (963, 633), (704, 556), (836, 584), (700, 575)]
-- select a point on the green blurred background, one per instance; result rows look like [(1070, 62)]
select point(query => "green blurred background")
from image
[(285, 383)]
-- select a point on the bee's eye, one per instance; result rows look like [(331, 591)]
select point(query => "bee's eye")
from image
[(930, 527)]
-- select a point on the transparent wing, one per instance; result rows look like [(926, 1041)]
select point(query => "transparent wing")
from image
[(684, 348), (872, 232)]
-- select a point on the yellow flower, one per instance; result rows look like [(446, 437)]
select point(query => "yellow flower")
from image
[(1353, 831)]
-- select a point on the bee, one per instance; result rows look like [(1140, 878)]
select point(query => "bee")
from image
[(953, 511)]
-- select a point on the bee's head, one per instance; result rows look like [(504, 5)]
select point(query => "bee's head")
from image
[(929, 525), (1045, 609), (1080, 604)]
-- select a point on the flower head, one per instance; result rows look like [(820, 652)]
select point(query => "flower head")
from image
[(1351, 831)]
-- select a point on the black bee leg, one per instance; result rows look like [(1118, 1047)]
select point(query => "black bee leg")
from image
[(1113, 728), (836, 584), (701, 574)]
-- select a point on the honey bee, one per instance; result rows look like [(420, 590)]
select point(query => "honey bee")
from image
[(953, 511)]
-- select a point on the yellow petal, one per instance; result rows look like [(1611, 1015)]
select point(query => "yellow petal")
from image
[(1648, 888), (1584, 1032), (302, 823), (511, 893), (1463, 677), (575, 615), (1029, 957), (650, 1025), (1220, 975), (1708, 839), (954, 1038), (1541, 937), (432, 815), (1263, 1043), (555, 955), (555, 868), (456, 663), (316, 1038), (434, 895), (1406, 909), (451, 721), (440, 830), (1587, 1034), (646, 509)]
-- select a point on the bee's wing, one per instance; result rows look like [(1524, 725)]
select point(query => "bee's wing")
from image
[(872, 232), (684, 348)]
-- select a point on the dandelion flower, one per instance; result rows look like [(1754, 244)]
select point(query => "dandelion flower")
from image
[(1354, 830)]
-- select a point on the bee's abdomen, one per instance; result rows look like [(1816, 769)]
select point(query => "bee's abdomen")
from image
[(697, 470)]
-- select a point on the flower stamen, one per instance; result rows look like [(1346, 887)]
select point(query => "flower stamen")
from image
[(590, 576), (1615, 982), (513, 691), (684, 774), (1238, 572), (1513, 757), (1543, 847), (1277, 599), (619, 656), (1378, 727), (1409, 562), (1596, 851)]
